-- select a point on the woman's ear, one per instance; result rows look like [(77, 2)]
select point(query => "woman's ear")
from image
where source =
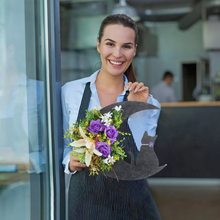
[(135, 50), (98, 45)]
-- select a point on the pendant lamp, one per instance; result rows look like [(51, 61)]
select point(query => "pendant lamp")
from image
[(123, 8)]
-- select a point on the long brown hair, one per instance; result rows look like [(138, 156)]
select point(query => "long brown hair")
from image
[(126, 21)]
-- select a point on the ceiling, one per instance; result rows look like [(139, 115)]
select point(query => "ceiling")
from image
[(185, 12), (162, 10), (175, 10)]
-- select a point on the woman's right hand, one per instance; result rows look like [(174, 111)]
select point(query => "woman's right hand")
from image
[(74, 164)]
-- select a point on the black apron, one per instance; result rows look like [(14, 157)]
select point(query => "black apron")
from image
[(101, 198)]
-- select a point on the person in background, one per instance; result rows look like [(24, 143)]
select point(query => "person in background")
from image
[(163, 91)]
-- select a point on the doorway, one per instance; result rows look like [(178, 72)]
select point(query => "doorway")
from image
[(189, 80)]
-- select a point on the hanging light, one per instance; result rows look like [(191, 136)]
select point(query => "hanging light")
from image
[(123, 8)]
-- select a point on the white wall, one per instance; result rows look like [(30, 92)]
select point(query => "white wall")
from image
[(174, 47), (214, 58)]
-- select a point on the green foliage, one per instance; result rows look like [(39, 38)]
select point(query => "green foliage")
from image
[(117, 118), (80, 156)]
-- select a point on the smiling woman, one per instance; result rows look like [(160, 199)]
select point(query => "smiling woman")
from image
[(98, 197)]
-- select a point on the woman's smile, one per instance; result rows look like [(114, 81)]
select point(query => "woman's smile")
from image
[(116, 64)]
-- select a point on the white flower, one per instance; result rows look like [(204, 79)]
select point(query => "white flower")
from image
[(105, 161), (107, 123), (117, 108), (94, 169), (109, 159), (106, 118), (108, 115), (89, 144), (96, 107)]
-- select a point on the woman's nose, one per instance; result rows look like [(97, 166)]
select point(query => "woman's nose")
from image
[(117, 52)]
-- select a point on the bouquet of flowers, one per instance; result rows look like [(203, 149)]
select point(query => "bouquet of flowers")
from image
[(94, 139)]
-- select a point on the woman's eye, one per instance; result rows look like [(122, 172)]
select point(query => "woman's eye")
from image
[(110, 44), (127, 46)]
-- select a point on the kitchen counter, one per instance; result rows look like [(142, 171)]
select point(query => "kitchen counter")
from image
[(190, 104), (189, 140)]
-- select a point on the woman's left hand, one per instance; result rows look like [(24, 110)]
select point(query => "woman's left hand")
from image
[(138, 92)]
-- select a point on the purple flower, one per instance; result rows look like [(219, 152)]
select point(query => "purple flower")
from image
[(95, 126), (103, 148), (111, 133), (151, 144)]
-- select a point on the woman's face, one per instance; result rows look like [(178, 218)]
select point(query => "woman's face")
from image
[(117, 49)]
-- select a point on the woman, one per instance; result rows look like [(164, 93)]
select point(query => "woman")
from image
[(98, 197)]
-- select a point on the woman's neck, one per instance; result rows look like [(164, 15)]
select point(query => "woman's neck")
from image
[(108, 88), (109, 83)]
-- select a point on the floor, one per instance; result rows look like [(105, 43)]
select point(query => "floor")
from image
[(186, 199)]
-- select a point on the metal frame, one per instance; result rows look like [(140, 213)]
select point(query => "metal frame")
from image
[(48, 46), (55, 148)]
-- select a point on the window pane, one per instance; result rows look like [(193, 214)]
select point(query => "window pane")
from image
[(22, 113)]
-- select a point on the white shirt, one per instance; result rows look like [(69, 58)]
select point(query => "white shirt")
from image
[(71, 99), (163, 93)]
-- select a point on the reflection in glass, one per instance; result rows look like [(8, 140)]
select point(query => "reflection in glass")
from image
[(21, 113)]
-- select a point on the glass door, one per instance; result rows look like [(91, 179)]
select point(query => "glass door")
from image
[(30, 174)]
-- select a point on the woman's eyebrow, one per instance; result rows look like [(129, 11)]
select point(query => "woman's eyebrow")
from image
[(129, 43), (114, 41), (110, 40)]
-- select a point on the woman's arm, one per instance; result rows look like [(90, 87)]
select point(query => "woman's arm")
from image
[(145, 120), (70, 163)]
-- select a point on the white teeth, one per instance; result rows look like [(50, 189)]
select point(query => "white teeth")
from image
[(115, 63)]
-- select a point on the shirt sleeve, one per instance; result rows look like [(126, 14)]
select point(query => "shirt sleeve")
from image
[(144, 121), (67, 150), (66, 161), (172, 96)]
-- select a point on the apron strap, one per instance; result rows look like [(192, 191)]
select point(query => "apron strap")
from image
[(85, 102), (126, 96)]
